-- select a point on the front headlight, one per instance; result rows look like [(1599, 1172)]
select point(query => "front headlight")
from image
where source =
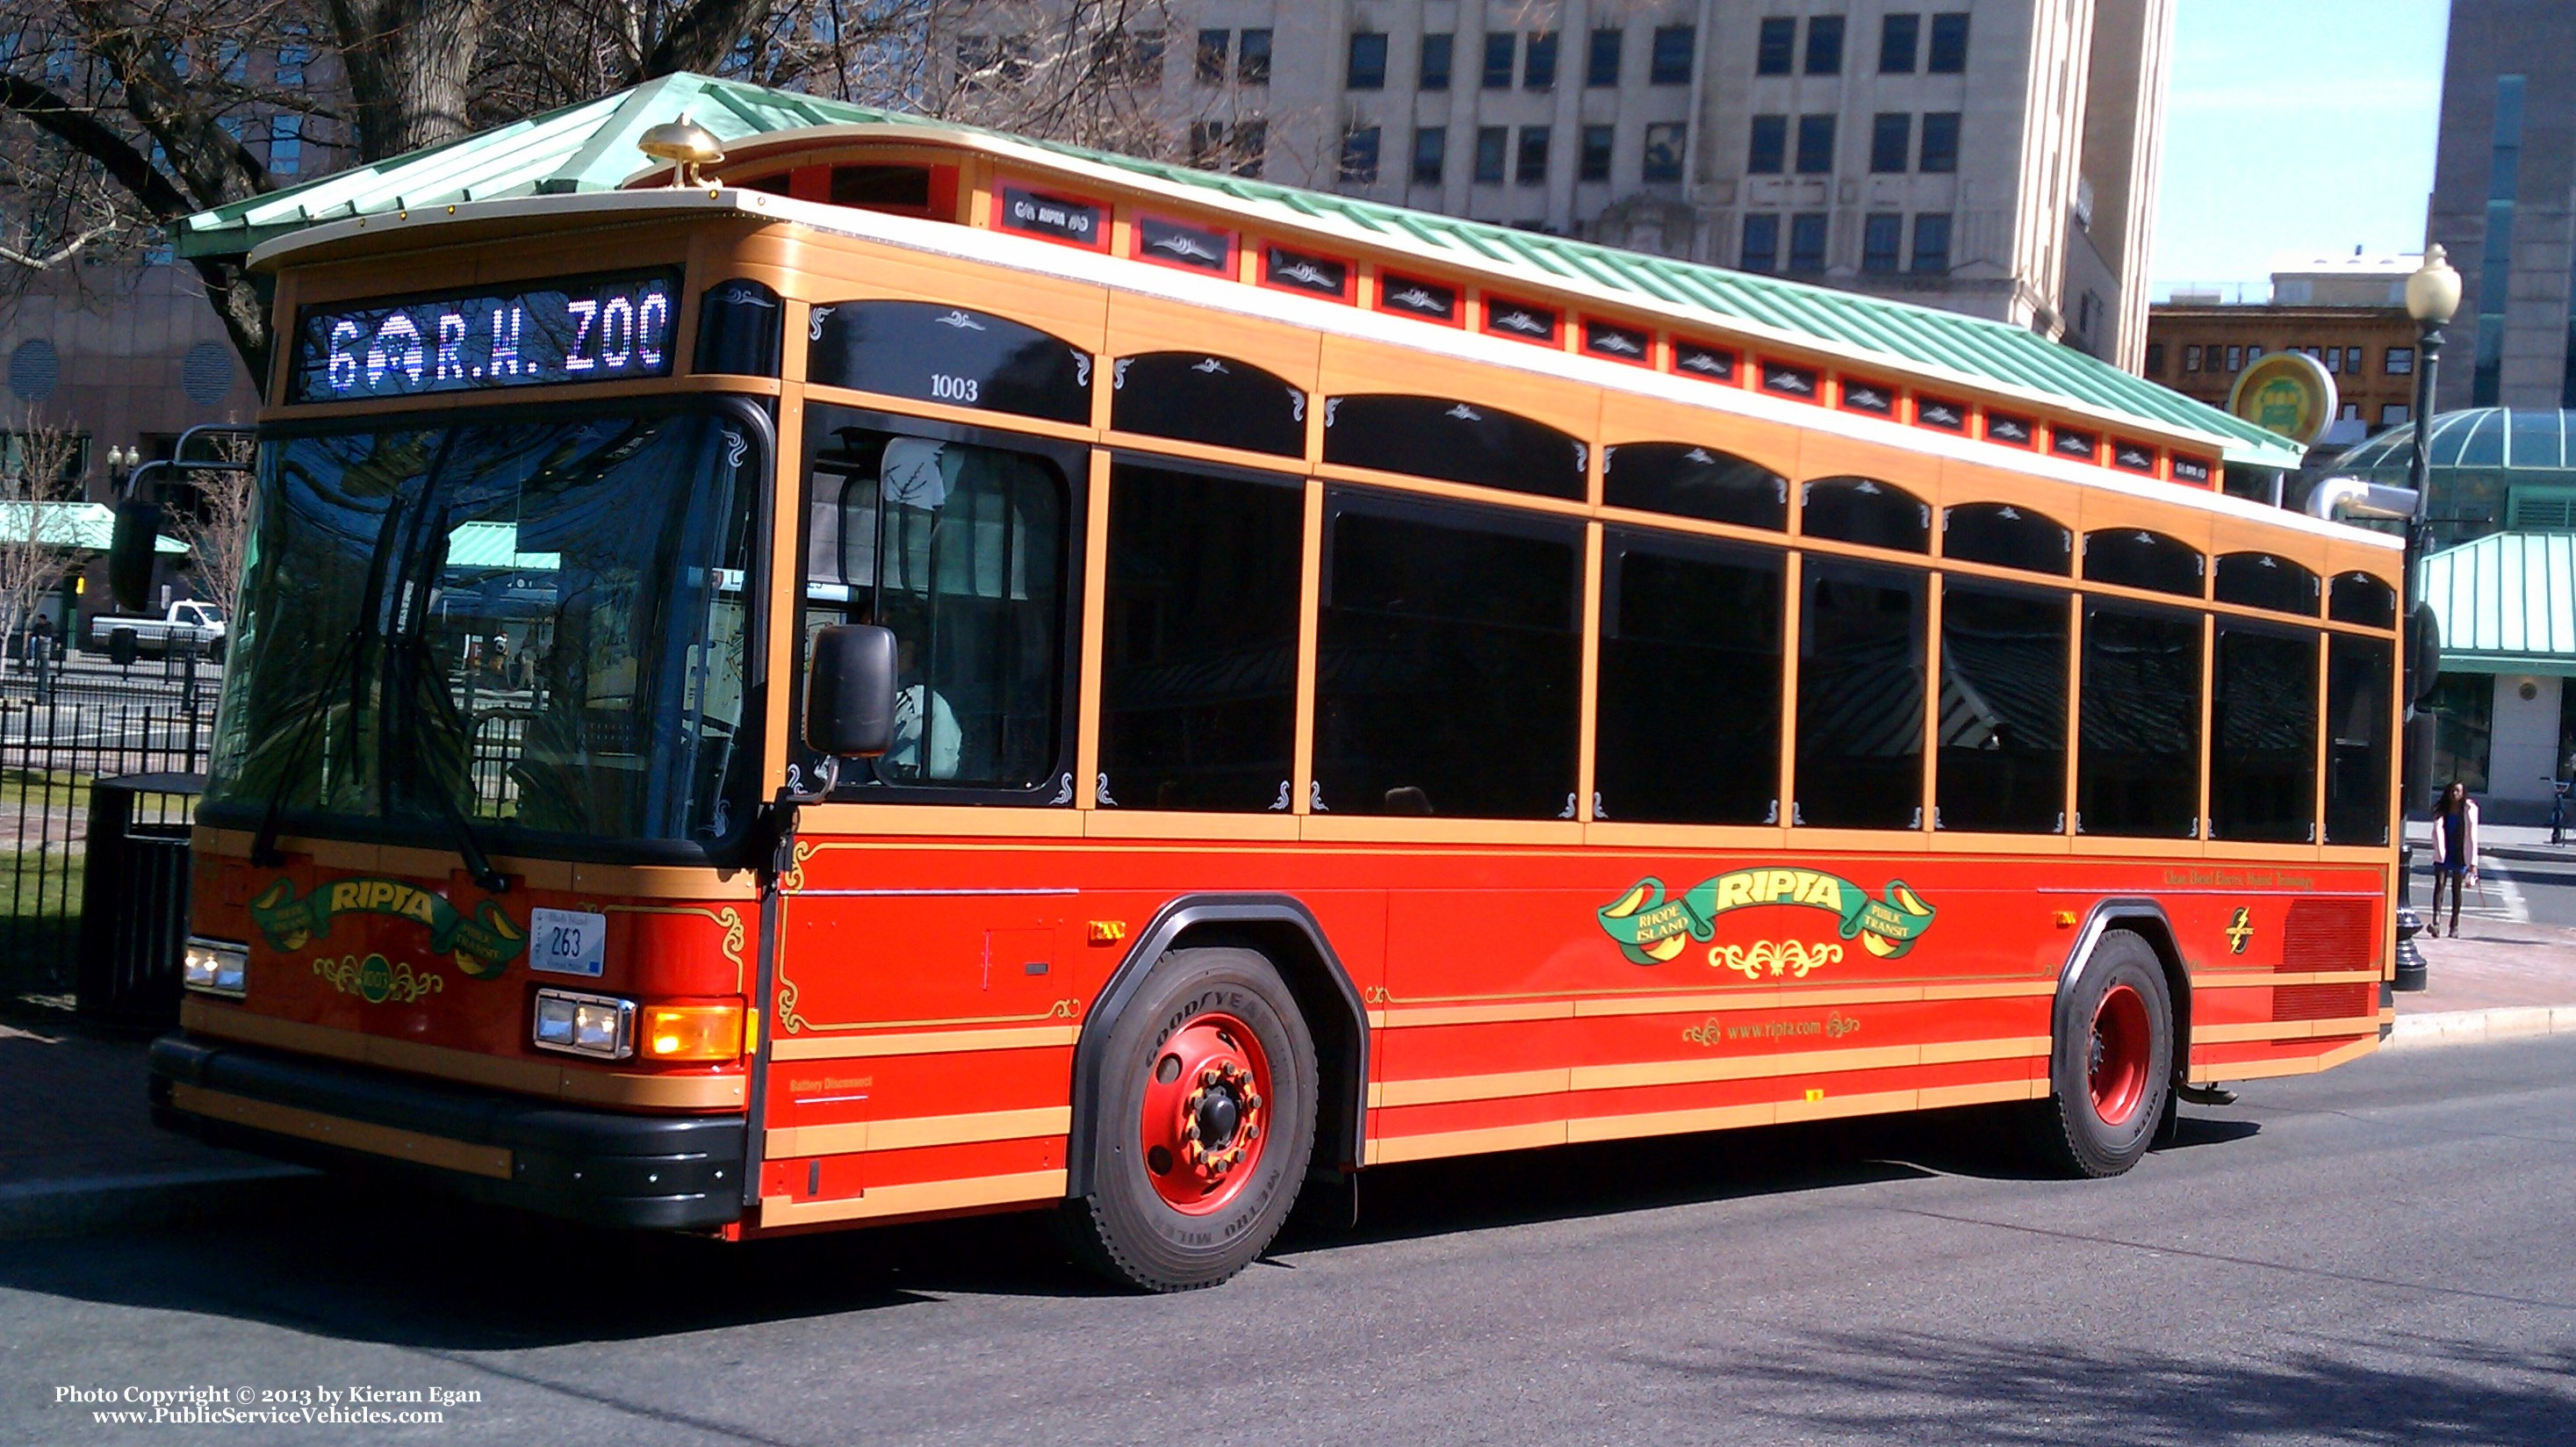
[(600, 1026), (215, 967)]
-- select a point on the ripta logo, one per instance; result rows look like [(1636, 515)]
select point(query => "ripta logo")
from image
[(483, 943), (1652, 930)]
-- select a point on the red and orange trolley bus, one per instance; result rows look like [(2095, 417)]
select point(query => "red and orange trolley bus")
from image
[(938, 674)]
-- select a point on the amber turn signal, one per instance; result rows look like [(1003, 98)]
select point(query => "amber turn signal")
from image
[(690, 1032)]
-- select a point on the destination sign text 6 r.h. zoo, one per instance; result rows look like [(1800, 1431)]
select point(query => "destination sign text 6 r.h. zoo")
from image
[(589, 329)]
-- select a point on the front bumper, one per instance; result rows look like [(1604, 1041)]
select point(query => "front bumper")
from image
[(681, 1173)]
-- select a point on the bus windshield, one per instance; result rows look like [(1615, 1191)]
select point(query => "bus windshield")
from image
[(530, 627)]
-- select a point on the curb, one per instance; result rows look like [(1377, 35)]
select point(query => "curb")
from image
[(2471, 1027), (35, 1209)]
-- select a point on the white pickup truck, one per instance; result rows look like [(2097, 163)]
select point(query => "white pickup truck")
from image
[(188, 625)]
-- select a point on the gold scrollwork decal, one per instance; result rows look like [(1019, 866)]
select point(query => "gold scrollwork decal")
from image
[(794, 879), (378, 981), (1779, 957)]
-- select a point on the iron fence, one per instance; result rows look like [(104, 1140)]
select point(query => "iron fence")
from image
[(65, 724)]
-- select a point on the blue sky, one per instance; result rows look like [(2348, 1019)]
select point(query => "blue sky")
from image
[(2295, 126)]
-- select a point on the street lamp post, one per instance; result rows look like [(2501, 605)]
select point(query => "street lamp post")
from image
[(2432, 298)]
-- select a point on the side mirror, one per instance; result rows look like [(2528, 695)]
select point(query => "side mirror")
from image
[(129, 552), (850, 692)]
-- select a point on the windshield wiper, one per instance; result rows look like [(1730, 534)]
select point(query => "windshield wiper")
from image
[(422, 667)]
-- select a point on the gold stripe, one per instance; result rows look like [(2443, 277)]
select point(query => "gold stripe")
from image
[(2293, 1065), (2256, 979), (1397, 1016), (1435, 1090), (934, 1042), (928, 1130), (917, 1199), (525, 1077), (1670, 1122), (2283, 1030), (1677, 1122), (375, 1140), (1400, 1017), (1389, 1149)]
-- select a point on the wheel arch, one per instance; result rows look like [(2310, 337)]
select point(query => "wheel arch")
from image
[(2146, 919), (1285, 932)]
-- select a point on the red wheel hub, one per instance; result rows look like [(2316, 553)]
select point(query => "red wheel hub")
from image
[(1207, 1113), (2122, 1046)]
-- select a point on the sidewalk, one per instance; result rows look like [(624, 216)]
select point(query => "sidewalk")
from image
[(79, 1152), (2494, 980)]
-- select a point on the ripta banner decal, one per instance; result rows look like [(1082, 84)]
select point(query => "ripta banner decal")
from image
[(1651, 929), (484, 942)]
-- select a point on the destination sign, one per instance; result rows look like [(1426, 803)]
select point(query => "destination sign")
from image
[(595, 329)]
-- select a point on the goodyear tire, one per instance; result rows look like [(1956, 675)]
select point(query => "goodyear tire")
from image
[(2111, 1069), (1206, 1120)]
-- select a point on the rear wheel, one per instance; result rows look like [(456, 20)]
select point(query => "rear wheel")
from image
[(1206, 1120), (2111, 1070)]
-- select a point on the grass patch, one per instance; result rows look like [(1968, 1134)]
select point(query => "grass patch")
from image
[(40, 915)]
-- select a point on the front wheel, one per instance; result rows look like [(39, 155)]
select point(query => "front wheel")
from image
[(1206, 1120), (2111, 1069)]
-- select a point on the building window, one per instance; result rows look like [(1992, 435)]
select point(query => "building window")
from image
[(1491, 144), (1777, 49), (1825, 45), (1769, 152), (1807, 241), (1215, 48), (2351, 412), (2495, 269), (1368, 60), (1597, 144), (1252, 58), (1498, 60), (1665, 142), (1132, 57), (1899, 37), (2155, 359), (1531, 168), (285, 144), (1434, 70), (2394, 414), (2191, 359), (2398, 361), (1882, 241), (2235, 359), (1359, 155), (1671, 61), (1815, 145), (1949, 44), (1601, 62), (1539, 71), (1940, 143), (1761, 243), (1891, 139), (292, 57), (1430, 155), (1932, 243)]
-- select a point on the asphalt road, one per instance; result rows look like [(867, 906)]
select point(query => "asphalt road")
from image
[(2383, 1254)]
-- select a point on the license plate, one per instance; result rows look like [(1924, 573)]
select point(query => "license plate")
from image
[(567, 941)]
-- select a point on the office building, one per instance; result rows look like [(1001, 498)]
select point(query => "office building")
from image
[(2501, 203), (2349, 313)]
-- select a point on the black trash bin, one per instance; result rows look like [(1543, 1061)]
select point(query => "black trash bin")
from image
[(134, 900)]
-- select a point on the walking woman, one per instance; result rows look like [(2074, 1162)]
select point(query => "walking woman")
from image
[(2455, 851)]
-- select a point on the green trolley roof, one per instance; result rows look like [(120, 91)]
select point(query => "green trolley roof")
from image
[(590, 148)]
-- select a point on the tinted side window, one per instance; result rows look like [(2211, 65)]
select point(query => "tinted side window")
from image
[(961, 550), (2263, 726), (739, 327), (2358, 686), (945, 354), (2007, 536), (2137, 765), (1860, 698), (2265, 580), (2363, 599), (2003, 710), (1695, 482), (1453, 441), (1199, 651), (1690, 674), (1450, 660), (1864, 510), (1215, 400), (2134, 558)]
